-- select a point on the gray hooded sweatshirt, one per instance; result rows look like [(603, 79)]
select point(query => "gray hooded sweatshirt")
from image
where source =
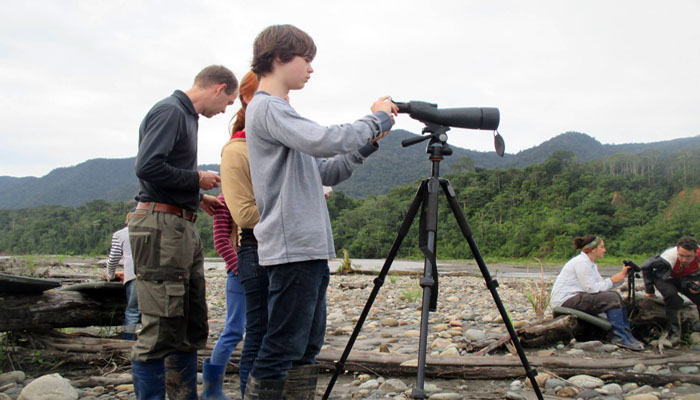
[(291, 158)]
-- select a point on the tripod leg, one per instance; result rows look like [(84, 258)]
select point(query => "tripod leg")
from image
[(378, 282), (490, 283), (428, 232)]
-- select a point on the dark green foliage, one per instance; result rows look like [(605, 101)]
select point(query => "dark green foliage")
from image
[(640, 204), (85, 230)]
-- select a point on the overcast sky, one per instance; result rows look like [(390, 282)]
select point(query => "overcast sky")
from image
[(77, 77)]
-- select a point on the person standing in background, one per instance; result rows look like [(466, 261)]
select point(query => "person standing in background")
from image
[(121, 249)]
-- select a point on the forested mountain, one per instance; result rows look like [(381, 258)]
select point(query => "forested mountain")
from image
[(640, 204), (114, 179)]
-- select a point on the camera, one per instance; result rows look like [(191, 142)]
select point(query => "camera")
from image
[(630, 263), (692, 285)]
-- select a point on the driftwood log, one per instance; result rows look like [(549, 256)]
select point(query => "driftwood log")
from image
[(60, 309), (91, 349)]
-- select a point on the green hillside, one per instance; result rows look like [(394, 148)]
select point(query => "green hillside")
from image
[(114, 179), (640, 204)]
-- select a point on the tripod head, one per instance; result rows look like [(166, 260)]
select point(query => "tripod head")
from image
[(438, 122)]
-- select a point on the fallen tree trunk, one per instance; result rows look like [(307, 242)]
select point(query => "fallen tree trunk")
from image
[(647, 311), (536, 335), (60, 309), (467, 367)]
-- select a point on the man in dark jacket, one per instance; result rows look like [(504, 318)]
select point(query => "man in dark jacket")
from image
[(167, 251), (675, 270)]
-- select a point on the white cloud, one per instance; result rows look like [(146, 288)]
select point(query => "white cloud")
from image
[(77, 77)]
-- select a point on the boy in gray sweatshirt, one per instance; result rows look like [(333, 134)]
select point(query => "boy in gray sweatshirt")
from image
[(291, 158)]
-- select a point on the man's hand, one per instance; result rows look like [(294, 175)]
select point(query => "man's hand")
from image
[(694, 291), (208, 202), (208, 179), (650, 295), (119, 275)]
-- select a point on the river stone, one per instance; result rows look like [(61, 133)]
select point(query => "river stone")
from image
[(431, 388), (691, 396), (641, 390), (511, 395), (575, 352), (474, 335), (412, 333), (516, 385), (639, 368), (588, 394), (13, 376), (446, 396), (541, 379), (440, 344), (370, 384), (450, 351), (586, 381), (567, 391), (554, 383), (49, 387), (593, 345), (643, 396), (688, 369), (628, 387), (612, 388), (390, 322), (3, 396), (393, 385)]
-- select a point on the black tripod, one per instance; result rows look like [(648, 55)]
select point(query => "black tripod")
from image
[(427, 200)]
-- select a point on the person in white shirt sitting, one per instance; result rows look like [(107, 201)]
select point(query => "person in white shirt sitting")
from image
[(580, 286)]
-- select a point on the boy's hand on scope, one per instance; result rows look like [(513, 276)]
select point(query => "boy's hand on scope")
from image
[(385, 104)]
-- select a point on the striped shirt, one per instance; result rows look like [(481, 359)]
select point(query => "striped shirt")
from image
[(121, 249), (226, 236)]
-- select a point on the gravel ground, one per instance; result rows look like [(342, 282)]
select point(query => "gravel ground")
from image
[(466, 313)]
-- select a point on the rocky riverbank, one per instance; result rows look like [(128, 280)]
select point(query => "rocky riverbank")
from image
[(466, 314)]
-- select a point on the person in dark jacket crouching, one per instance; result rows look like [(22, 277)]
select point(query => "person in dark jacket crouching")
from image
[(675, 270)]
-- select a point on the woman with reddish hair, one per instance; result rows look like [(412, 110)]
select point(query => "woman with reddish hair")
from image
[(237, 188)]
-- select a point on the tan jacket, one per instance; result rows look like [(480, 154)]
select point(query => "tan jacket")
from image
[(236, 184)]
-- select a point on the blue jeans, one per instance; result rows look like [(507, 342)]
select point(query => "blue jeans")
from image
[(235, 321), (297, 318), (254, 280), (131, 314)]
